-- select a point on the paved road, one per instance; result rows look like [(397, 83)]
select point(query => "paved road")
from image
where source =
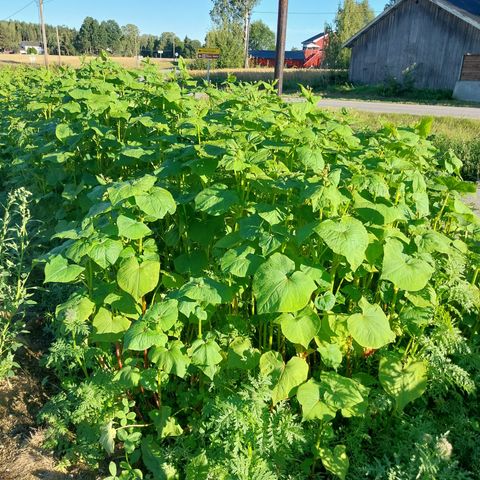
[(409, 109)]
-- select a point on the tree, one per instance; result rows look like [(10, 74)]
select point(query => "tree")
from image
[(190, 47), (228, 13), (350, 18), (9, 39), (109, 36), (170, 44), (227, 40), (88, 37), (261, 37), (130, 40)]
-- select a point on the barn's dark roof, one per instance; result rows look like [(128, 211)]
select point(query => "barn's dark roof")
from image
[(467, 10), (312, 39), (270, 54)]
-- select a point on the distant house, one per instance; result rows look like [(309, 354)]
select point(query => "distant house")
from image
[(311, 55), (424, 39), (26, 46)]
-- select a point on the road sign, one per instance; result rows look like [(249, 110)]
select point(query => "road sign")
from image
[(208, 53)]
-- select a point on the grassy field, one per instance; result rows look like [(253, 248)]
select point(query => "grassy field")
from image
[(75, 61), (315, 79), (461, 135)]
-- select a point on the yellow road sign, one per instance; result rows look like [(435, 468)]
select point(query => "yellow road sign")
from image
[(208, 51)]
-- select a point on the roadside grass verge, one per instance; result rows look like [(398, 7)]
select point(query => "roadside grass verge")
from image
[(461, 135)]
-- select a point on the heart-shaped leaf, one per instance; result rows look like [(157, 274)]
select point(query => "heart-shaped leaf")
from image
[(370, 328), (156, 203), (59, 270), (347, 237), (279, 288), (405, 381), (404, 271), (293, 374), (137, 279), (132, 229), (300, 327)]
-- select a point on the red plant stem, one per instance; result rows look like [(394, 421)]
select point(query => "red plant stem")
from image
[(118, 353)]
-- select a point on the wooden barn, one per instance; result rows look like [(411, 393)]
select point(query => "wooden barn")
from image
[(425, 39), (311, 56)]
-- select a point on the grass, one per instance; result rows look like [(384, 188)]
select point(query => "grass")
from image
[(314, 78), (75, 61), (391, 92), (459, 134)]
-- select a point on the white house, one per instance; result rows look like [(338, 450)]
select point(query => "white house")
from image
[(25, 46)]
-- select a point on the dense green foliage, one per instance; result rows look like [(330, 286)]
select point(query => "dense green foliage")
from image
[(252, 290)]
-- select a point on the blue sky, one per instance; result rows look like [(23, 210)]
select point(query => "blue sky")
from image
[(184, 17)]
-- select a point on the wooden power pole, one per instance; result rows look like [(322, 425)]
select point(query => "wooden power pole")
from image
[(281, 40), (44, 33), (58, 47)]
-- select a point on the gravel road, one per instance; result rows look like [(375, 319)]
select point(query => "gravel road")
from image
[(405, 108)]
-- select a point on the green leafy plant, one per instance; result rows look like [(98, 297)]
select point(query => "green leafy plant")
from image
[(211, 236)]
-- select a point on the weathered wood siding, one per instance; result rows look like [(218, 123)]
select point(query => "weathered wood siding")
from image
[(471, 68), (416, 35)]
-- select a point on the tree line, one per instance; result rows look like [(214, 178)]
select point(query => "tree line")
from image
[(94, 36)]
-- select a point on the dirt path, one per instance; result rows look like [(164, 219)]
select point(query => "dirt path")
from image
[(21, 398), (403, 108)]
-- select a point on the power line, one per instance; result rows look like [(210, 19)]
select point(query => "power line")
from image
[(18, 11), (303, 13)]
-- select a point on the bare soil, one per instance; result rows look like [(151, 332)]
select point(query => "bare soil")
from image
[(22, 456)]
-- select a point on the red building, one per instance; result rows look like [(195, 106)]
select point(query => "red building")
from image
[(311, 56)]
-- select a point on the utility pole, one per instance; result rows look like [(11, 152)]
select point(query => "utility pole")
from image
[(247, 21), (58, 48), (281, 40), (173, 43), (44, 33)]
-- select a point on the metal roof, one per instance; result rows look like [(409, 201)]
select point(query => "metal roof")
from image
[(312, 39), (466, 10), (271, 54)]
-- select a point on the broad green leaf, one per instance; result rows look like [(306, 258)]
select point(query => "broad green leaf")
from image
[(138, 279), (330, 353), (121, 191), (107, 437), (405, 272), (300, 327), (216, 200), (370, 328), (131, 229), (205, 355), (108, 328), (309, 395), (311, 159), (207, 291), (164, 314), (279, 288), (77, 308), (240, 261), (347, 237), (432, 241), (171, 358), (105, 252), (141, 337), (59, 270), (156, 203), (293, 374), (164, 423), (341, 392), (335, 461), (271, 365), (404, 380), (63, 131), (242, 355)]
